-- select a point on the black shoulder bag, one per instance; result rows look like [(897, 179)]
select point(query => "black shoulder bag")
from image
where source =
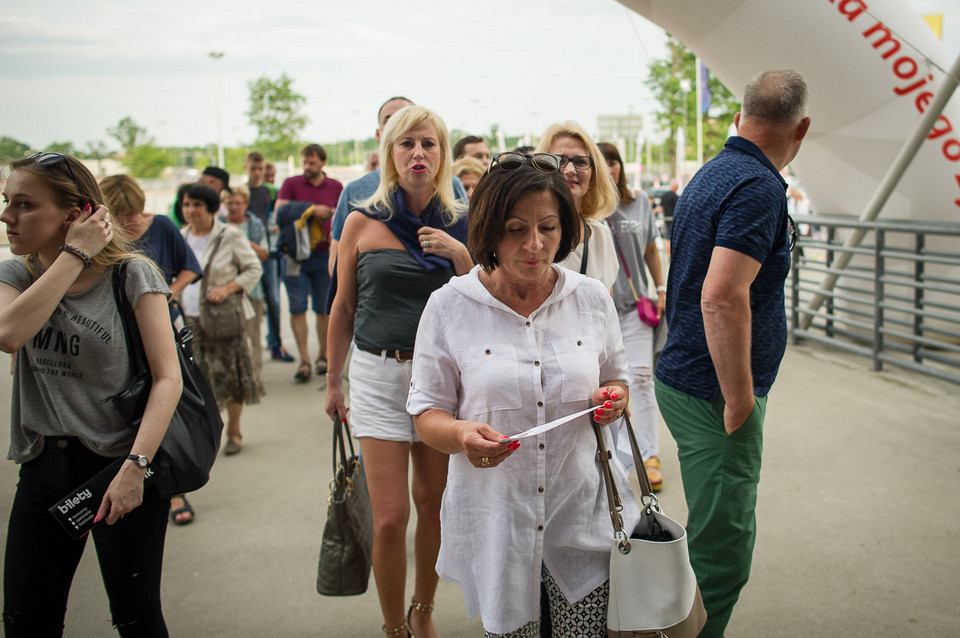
[(190, 446)]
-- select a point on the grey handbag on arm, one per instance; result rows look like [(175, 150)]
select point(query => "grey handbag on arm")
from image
[(346, 551)]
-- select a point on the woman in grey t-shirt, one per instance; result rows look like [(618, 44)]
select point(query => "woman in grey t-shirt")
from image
[(58, 314)]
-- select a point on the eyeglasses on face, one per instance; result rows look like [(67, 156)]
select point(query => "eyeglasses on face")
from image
[(52, 159), (543, 162), (580, 162)]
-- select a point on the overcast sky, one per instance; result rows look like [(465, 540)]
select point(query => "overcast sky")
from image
[(69, 70)]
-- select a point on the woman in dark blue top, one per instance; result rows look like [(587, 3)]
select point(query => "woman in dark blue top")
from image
[(405, 242)]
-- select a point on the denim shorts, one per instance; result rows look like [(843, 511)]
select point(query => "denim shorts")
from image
[(313, 281)]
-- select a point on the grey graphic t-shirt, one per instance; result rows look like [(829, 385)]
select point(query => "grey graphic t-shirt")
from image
[(75, 360)]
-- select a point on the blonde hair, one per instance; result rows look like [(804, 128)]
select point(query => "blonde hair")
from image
[(397, 126), (240, 190), (122, 195), (468, 166), (601, 198), (69, 194)]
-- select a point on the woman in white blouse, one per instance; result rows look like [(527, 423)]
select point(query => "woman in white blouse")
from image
[(516, 343), (595, 196)]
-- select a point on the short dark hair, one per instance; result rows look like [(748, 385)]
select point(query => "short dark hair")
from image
[(205, 194), (395, 97), (254, 156), (314, 149), (462, 143), (495, 197)]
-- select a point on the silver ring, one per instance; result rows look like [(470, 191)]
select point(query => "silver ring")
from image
[(426, 243), (485, 461), (106, 224)]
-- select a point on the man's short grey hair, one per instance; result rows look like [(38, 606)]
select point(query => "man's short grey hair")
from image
[(779, 95)]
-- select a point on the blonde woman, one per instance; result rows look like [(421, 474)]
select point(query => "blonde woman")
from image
[(406, 241), (595, 195), (469, 170), (57, 311)]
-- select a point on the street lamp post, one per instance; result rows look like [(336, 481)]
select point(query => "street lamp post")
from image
[(217, 55)]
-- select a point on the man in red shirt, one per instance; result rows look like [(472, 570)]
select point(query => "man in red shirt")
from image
[(313, 279)]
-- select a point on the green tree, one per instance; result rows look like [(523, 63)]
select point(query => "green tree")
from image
[(673, 83), (147, 160), (129, 134), (14, 149), (276, 112), (61, 147)]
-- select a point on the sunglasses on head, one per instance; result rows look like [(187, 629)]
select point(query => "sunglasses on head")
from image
[(52, 159), (511, 161)]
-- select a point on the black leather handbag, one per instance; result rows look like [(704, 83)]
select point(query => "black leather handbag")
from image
[(190, 445), (346, 551)]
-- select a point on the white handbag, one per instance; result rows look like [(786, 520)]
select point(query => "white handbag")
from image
[(653, 590)]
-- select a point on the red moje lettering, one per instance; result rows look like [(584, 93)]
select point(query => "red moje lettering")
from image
[(951, 149), (850, 8), (885, 38)]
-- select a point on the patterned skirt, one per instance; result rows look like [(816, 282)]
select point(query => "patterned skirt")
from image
[(228, 366)]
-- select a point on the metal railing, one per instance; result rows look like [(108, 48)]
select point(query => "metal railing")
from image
[(897, 302)]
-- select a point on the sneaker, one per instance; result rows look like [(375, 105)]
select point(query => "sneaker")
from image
[(280, 354), (653, 473)]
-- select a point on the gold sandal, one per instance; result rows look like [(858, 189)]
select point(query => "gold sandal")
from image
[(398, 632), (423, 608)]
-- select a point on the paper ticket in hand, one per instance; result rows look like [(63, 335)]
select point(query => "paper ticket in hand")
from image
[(546, 427)]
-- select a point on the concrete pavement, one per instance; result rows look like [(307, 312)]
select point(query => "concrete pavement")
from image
[(859, 518)]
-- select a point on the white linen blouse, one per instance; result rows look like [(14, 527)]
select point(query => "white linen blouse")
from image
[(480, 361), (602, 260)]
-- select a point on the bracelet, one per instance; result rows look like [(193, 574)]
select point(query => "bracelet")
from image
[(87, 262), (661, 288), (333, 376)]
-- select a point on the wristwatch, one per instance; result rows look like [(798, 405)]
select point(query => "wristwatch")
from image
[(142, 461)]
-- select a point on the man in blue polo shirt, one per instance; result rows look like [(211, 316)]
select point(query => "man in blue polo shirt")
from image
[(728, 331)]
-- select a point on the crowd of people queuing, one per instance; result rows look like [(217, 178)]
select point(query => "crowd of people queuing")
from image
[(474, 296)]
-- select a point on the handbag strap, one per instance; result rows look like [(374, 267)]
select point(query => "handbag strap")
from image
[(131, 332), (341, 440), (206, 268), (626, 270), (647, 497), (586, 248)]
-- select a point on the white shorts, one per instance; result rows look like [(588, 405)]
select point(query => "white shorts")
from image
[(378, 398)]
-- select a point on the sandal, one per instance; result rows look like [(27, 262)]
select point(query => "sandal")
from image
[(303, 372), (423, 608), (186, 509), (321, 364), (654, 474), (403, 631), (234, 444)]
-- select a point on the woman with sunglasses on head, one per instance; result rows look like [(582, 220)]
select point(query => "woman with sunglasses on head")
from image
[(635, 235), (595, 197), (406, 241), (517, 343), (58, 312)]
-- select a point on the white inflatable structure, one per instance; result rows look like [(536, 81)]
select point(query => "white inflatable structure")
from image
[(872, 66)]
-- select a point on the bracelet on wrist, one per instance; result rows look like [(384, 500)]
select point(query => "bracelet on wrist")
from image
[(333, 376), (661, 288), (76, 252)]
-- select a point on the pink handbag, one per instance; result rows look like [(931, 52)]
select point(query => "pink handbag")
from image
[(647, 310)]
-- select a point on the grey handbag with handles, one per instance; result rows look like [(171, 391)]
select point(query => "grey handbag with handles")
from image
[(346, 552), (225, 319), (653, 590)]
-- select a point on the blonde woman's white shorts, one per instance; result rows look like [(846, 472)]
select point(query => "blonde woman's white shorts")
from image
[(378, 397)]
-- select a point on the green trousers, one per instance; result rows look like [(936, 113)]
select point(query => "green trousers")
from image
[(720, 474)]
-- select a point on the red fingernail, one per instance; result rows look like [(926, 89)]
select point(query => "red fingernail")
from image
[(506, 437), (605, 393), (96, 519), (597, 419), (600, 411), (613, 396), (514, 446), (607, 404), (86, 208)]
